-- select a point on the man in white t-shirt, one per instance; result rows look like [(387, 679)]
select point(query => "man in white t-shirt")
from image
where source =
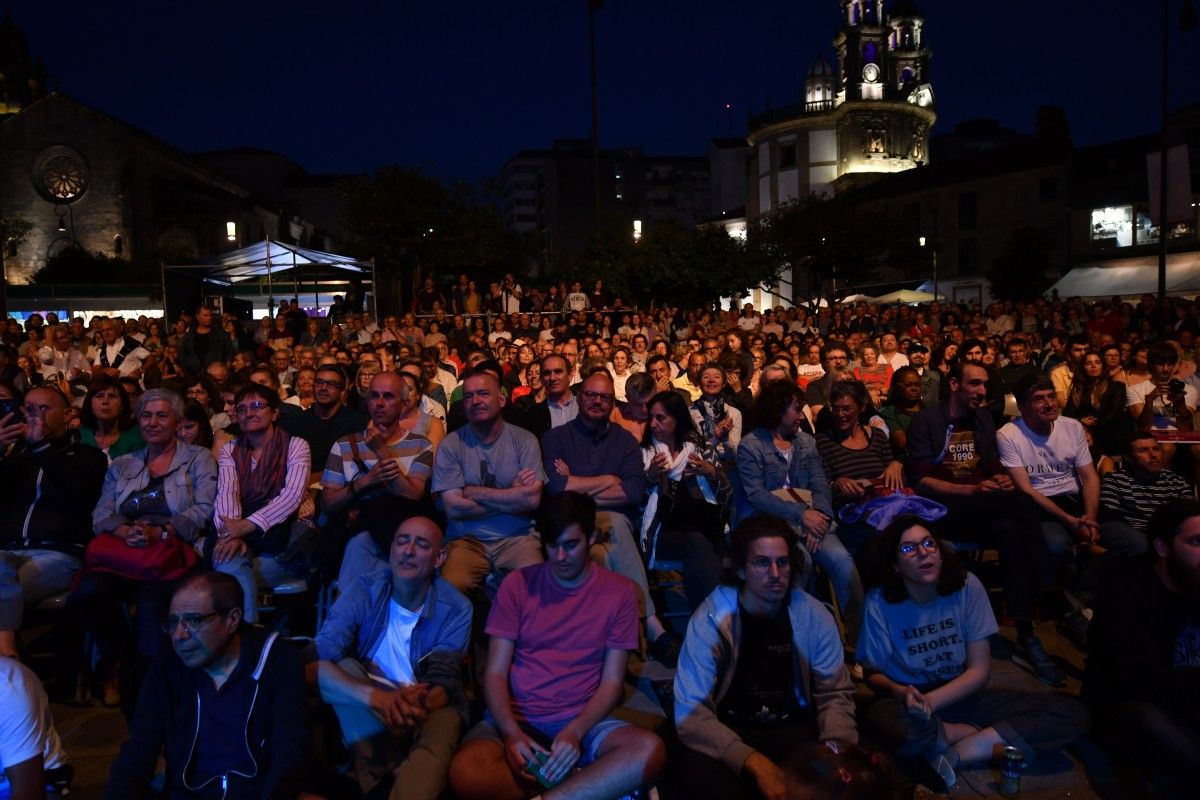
[(889, 352), (1047, 457), (390, 661), (29, 744)]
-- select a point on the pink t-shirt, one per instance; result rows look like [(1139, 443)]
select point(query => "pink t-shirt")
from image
[(561, 636)]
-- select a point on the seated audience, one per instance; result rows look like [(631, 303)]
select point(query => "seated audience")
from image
[(1144, 662), (561, 632), (106, 419), (1129, 496), (379, 474), (164, 491), (904, 402), (761, 672), (924, 651), (1099, 404), (687, 507), (719, 422), (31, 753), (390, 664), (226, 712), (262, 475), (488, 476), (49, 483), (777, 456)]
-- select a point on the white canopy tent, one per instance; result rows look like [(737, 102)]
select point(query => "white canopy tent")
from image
[(1131, 276), (908, 297), (268, 258)]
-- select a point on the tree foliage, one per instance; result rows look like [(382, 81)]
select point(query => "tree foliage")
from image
[(828, 240), (415, 226), (670, 264), (1021, 270), (74, 265)]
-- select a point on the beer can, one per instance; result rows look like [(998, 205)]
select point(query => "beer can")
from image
[(1011, 762)]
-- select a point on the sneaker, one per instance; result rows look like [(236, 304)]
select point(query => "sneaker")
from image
[(1030, 654), (665, 649), (1073, 626)]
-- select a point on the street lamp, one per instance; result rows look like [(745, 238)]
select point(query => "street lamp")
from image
[(933, 254), (1187, 21)]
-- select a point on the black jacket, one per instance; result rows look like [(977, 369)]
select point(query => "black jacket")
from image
[(47, 493), (166, 723)]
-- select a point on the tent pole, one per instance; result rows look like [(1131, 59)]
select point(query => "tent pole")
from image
[(295, 279), (270, 284)]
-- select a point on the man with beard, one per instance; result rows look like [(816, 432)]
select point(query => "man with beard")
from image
[(328, 418), (741, 703), (1144, 662), (837, 366)]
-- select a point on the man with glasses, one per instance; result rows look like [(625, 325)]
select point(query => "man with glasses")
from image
[(591, 455), (836, 357), (741, 702), (49, 484), (226, 714)]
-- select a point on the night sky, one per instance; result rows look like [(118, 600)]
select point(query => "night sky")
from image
[(458, 87)]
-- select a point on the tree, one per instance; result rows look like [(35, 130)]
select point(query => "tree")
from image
[(1021, 271), (671, 263), (829, 240), (415, 226), (73, 265)]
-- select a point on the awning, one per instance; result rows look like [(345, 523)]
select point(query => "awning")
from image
[(268, 258), (1131, 276)]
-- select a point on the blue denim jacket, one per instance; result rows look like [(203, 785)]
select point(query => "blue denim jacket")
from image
[(762, 469), (358, 620)]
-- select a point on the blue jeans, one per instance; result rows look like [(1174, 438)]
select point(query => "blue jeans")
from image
[(254, 572), (28, 577), (838, 564), (544, 733)]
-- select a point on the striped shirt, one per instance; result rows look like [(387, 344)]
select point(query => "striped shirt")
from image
[(842, 462), (1124, 496), (413, 453), (229, 498)]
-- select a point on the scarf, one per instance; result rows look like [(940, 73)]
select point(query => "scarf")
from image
[(651, 524), (262, 483), (710, 413)]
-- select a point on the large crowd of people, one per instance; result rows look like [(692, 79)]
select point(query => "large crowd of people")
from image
[(491, 484)]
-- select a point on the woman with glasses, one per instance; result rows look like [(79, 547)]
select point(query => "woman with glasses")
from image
[(924, 651), (164, 490), (106, 421), (262, 477)]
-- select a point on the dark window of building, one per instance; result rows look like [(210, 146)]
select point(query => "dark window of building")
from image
[(118, 245), (1048, 188), (968, 256), (11, 247), (787, 155), (869, 53), (968, 211)]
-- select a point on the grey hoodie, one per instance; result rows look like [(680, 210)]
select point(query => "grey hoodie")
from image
[(709, 660)]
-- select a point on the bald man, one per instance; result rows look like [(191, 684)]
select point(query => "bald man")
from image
[(390, 663)]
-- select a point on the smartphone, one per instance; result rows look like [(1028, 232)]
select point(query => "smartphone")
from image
[(12, 406)]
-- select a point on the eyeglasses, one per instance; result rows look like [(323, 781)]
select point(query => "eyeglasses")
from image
[(330, 384), (253, 405), (909, 549), (190, 622), (591, 397), (764, 564)]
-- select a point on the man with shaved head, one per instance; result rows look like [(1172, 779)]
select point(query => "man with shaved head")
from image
[(390, 659)]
